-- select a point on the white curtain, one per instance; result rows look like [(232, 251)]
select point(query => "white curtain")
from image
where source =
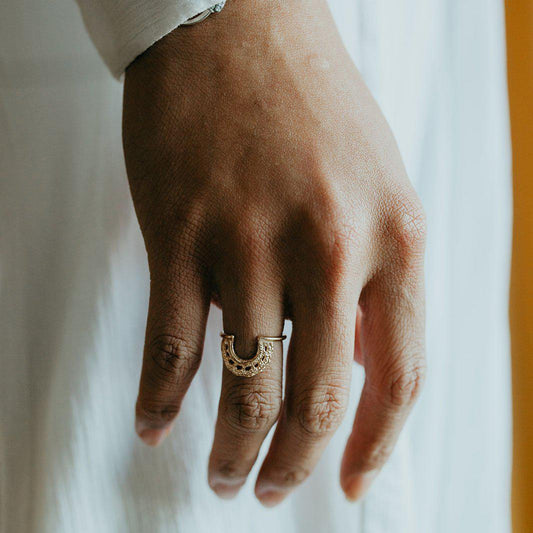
[(74, 282)]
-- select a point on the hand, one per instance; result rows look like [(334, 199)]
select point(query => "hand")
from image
[(265, 179)]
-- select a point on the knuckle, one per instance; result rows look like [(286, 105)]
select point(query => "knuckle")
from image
[(345, 238), (333, 244), (407, 224), (404, 386), (175, 233), (173, 357), (248, 236), (341, 232), (251, 409), (320, 412), (251, 233)]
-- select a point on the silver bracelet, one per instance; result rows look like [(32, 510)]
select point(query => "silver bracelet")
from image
[(217, 8)]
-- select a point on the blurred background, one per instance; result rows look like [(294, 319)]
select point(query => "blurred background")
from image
[(520, 62), (520, 76)]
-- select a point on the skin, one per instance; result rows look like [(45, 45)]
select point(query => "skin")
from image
[(265, 179)]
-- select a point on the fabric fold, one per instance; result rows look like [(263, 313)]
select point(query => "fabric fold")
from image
[(121, 30)]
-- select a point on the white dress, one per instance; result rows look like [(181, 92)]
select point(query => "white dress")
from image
[(74, 287)]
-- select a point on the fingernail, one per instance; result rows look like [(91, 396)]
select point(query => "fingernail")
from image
[(357, 486), (270, 498), (151, 436), (227, 492), (269, 495)]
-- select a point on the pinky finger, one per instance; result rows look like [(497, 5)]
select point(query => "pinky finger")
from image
[(391, 337)]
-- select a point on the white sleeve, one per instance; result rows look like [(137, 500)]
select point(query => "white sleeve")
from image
[(123, 29)]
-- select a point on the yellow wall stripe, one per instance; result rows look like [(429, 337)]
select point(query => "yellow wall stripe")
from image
[(520, 67)]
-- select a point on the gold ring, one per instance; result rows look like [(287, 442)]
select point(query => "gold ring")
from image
[(248, 367)]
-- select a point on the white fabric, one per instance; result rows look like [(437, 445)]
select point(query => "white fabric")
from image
[(74, 282), (123, 29)]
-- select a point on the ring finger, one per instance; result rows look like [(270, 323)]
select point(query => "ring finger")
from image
[(252, 306)]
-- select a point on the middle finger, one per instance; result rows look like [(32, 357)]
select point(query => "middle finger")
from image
[(317, 389)]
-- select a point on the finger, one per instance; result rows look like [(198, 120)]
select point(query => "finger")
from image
[(392, 343), (252, 305), (177, 315), (319, 366)]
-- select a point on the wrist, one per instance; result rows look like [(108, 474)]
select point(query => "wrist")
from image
[(243, 31)]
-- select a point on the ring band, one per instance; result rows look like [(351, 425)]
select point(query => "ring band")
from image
[(248, 367)]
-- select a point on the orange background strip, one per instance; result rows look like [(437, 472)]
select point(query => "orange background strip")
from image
[(520, 68)]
